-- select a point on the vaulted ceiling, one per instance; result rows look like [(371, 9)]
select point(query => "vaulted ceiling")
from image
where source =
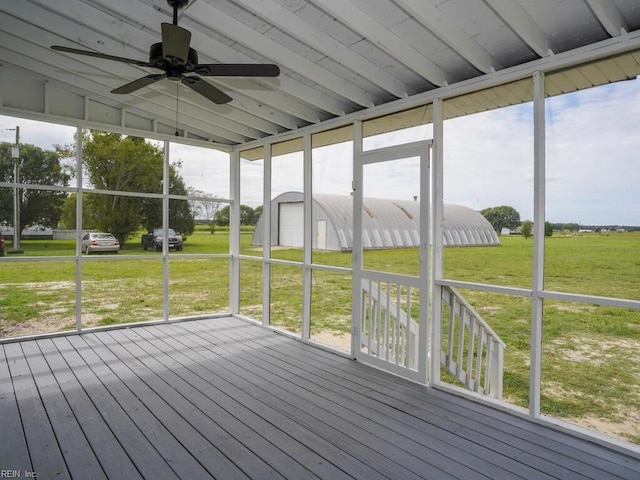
[(336, 56)]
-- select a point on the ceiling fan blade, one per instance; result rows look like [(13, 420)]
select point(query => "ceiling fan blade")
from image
[(237, 70), (207, 90), (175, 43), (104, 56), (139, 83)]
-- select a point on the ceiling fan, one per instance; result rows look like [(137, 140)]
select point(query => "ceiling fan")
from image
[(179, 61)]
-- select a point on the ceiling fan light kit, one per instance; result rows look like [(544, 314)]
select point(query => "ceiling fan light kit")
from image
[(179, 62)]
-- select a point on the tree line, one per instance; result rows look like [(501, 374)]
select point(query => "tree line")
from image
[(110, 162), (508, 217)]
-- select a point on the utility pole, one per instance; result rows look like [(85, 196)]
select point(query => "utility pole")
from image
[(15, 154)]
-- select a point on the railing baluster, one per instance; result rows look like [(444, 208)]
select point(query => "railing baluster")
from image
[(396, 331), (452, 329), (472, 338), (387, 318), (392, 335), (484, 352), (460, 356), (371, 317), (478, 377), (488, 371)]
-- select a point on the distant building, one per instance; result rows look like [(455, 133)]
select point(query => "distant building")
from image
[(386, 223)]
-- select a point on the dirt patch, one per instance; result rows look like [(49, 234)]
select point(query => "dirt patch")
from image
[(594, 351), (337, 340), (626, 430), (34, 327), (574, 307)]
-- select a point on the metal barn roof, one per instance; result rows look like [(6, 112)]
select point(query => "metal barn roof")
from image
[(385, 223), (338, 58)]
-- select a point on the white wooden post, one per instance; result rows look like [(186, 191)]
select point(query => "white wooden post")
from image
[(307, 244), (165, 227), (79, 200), (234, 233), (356, 256), (266, 236), (437, 206), (538, 242)]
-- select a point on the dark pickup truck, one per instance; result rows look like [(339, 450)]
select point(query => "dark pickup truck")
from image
[(153, 240)]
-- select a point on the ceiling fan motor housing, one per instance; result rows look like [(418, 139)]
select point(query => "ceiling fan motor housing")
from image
[(177, 3), (174, 71)]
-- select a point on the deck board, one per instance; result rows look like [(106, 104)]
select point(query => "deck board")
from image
[(425, 439), (504, 428), (44, 450), (537, 450), (275, 409), (224, 398), (407, 446), (113, 458), (13, 444)]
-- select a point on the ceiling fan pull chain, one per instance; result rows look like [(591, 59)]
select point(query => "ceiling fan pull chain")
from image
[(177, 90)]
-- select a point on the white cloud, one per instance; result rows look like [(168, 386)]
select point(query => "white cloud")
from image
[(41, 134)]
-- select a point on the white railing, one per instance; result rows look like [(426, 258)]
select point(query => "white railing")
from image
[(387, 331), (471, 350)]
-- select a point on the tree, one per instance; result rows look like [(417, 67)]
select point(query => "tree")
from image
[(571, 227), (181, 216), (246, 216), (68, 214), (257, 213), (204, 206), (526, 229), (115, 162), (502, 217), (548, 229), (37, 167)]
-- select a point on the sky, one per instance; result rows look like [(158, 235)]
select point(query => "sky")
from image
[(592, 160)]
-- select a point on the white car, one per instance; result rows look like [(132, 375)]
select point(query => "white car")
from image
[(100, 242)]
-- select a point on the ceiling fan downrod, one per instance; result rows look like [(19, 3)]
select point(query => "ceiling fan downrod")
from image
[(176, 5)]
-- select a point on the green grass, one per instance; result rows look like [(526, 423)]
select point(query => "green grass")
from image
[(591, 354)]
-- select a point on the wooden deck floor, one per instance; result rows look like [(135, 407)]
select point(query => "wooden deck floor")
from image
[(226, 399)]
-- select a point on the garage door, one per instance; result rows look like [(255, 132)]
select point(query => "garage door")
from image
[(290, 226)]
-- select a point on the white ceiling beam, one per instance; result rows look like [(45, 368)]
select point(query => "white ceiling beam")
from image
[(522, 25), (609, 16), (299, 100), (586, 54), (450, 34), (243, 109), (186, 120), (93, 73), (237, 31), (384, 39), (321, 42)]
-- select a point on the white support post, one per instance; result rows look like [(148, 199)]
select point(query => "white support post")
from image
[(79, 229), (266, 237), (437, 207), (424, 332), (234, 235), (165, 232), (538, 242), (356, 254), (308, 237)]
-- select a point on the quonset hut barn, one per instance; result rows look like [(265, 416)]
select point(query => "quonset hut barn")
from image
[(386, 223)]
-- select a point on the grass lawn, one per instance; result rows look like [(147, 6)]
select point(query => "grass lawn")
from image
[(591, 354)]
